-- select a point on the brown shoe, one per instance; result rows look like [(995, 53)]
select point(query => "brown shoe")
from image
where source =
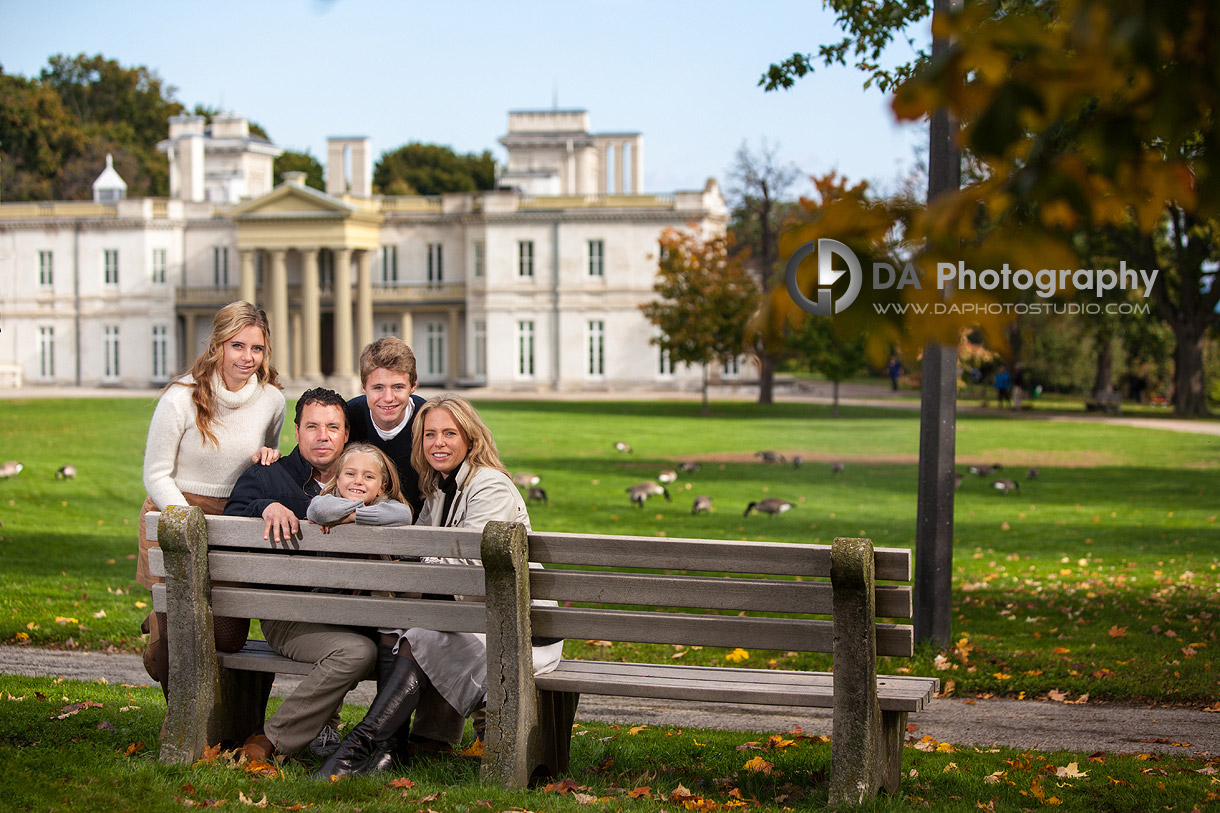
[(258, 748)]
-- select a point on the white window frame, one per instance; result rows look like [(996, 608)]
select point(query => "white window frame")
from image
[(480, 259), (46, 269), (220, 266), (386, 328), (665, 365), (110, 270), (525, 259), (597, 259), (525, 348), (110, 353), (436, 263), (731, 368), (46, 353), (160, 353), (595, 348), (389, 265), (480, 348), (434, 349), (159, 263)]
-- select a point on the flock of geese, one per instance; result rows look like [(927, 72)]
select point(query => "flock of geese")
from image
[(1004, 485), (11, 468)]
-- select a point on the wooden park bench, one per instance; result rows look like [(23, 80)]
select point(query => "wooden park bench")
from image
[(602, 594)]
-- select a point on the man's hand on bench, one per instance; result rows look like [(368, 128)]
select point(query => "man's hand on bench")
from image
[(280, 521)]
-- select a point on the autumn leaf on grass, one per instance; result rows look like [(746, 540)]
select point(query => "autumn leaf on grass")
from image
[(994, 778), (636, 729), (210, 754), (636, 793), (1071, 771), (681, 794), (737, 655), (562, 787), (257, 766), (926, 743), (600, 643), (1056, 695), (475, 749), (584, 798), (759, 765), (749, 746), (1117, 632), (401, 782), (134, 748), (246, 800), (1080, 701), (1061, 650), (76, 708), (776, 741)]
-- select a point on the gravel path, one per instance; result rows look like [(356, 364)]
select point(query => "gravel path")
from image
[(1028, 724)]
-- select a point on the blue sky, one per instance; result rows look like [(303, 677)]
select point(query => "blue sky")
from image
[(683, 73)]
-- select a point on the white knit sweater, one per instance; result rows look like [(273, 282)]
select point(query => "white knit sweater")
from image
[(178, 458)]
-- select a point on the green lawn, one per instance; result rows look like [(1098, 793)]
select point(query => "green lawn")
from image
[(1100, 577)]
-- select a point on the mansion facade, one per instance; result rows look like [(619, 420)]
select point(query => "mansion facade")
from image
[(534, 286)]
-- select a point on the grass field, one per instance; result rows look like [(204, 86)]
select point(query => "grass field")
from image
[(1100, 577)]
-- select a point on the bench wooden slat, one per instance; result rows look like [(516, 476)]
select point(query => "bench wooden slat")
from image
[(802, 689), (714, 555), (258, 656), (715, 593), (347, 574), (706, 630), (352, 611)]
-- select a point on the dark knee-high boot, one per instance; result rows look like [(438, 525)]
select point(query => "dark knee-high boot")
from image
[(386, 751), (391, 708)]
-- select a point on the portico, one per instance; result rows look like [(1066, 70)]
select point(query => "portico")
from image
[(311, 247)]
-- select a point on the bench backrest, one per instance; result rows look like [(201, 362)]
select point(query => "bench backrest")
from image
[(724, 593)]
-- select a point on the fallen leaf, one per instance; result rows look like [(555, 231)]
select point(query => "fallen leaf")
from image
[(474, 750), (1117, 632), (245, 800), (776, 741), (1071, 771), (636, 793), (759, 765), (105, 725), (562, 787), (1056, 695), (600, 643), (134, 748), (1080, 701), (401, 782), (584, 798), (637, 729), (994, 778), (680, 794)]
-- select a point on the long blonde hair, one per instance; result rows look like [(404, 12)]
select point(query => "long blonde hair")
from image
[(483, 452), (391, 487), (228, 322)]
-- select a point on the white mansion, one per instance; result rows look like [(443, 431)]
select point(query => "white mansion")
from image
[(533, 286)]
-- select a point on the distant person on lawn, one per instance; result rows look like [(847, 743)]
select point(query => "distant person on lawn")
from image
[(207, 428)]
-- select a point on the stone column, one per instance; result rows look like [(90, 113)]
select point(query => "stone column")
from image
[(603, 167), (451, 364), (408, 327), (297, 360), (618, 167), (364, 300), (637, 166), (247, 292), (311, 316), (278, 315), (344, 358)]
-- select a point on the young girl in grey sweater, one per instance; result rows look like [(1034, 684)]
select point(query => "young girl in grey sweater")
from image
[(365, 491)]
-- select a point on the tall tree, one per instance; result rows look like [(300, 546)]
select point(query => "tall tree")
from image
[(758, 185), (705, 299), (37, 135), (431, 169), (290, 161), (836, 354)]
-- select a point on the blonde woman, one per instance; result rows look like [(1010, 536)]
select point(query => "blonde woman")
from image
[(209, 425), (464, 485)]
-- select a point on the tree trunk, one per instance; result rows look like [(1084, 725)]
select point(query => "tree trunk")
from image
[(766, 378), (1104, 380), (704, 412), (1189, 390)]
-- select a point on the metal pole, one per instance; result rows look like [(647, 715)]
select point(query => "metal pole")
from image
[(937, 417)]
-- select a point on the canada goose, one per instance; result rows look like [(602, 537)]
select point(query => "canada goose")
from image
[(702, 503), (525, 479), (1005, 486), (10, 468), (836, 467), (667, 476), (957, 480), (797, 460), (642, 491), (770, 457), (537, 493), (1033, 473), (983, 471), (771, 505), (688, 466), (622, 447), (66, 473)]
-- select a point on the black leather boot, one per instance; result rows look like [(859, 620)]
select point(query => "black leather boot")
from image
[(392, 707), (386, 752)]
